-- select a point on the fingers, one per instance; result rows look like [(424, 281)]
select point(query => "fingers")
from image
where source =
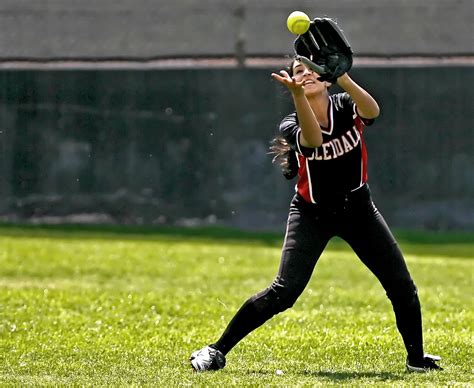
[(290, 84), (284, 76), (279, 78), (285, 79)]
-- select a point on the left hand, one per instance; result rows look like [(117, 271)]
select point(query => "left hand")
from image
[(295, 87)]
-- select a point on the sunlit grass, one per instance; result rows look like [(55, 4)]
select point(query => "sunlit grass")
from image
[(119, 306)]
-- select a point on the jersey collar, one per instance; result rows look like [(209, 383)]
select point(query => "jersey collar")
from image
[(329, 129)]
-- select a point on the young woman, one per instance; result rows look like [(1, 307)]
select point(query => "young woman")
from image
[(322, 143)]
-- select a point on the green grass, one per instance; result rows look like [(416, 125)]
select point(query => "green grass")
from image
[(126, 306)]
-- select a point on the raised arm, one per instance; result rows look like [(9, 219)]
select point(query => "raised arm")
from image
[(367, 107), (311, 135)]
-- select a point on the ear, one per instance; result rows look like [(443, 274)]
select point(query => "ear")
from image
[(327, 84)]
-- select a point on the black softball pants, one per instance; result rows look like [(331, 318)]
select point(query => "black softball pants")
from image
[(355, 219)]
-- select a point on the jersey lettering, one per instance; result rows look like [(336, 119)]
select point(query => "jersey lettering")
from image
[(333, 149), (337, 145), (326, 155), (339, 165), (347, 145), (354, 142)]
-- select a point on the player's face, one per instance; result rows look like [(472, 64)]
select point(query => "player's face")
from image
[(310, 80)]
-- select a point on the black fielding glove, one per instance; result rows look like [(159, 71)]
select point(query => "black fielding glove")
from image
[(324, 49)]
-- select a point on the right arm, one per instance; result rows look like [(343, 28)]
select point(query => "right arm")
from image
[(311, 135)]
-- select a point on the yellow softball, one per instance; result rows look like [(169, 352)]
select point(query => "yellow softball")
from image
[(298, 22)]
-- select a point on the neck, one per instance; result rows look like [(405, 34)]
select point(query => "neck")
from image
[(319, 104)]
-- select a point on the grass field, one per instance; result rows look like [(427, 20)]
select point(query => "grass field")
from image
[(123, 306)]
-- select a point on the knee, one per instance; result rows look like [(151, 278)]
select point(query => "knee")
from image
[(403, 292), (285, 301), (276, 298)]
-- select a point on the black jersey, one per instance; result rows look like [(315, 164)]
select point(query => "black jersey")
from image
[(339, 165)]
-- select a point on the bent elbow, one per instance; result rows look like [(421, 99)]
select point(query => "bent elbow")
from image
[(376, 112), (369, 111)]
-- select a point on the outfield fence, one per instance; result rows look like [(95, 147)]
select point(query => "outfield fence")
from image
[(189, 145)]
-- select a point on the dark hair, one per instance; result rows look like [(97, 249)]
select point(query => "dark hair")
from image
[(279, 147), (289, 66), (284, 156)]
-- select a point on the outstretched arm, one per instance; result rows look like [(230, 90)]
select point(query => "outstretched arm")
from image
[(311, 135), (367, 107)]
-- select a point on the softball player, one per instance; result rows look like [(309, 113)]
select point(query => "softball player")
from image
[(322, 142)]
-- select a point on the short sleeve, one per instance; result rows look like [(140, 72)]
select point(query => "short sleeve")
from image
[(291, 131), (344, 101)]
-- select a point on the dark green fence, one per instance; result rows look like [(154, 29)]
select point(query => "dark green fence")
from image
[(175, 145)]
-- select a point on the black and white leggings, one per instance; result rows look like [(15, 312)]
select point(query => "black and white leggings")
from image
[(355, 219)]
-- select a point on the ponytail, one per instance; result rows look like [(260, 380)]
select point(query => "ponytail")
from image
[(284, 156)]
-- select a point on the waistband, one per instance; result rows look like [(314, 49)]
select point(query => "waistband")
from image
[(337, 200)]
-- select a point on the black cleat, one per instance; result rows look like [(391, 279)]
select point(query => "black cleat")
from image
[(208, 358), (426, 364)]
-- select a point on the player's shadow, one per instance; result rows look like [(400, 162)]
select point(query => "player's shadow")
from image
[(344, 376), (337, 376)]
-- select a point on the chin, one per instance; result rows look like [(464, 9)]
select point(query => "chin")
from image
[(313, 91)]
